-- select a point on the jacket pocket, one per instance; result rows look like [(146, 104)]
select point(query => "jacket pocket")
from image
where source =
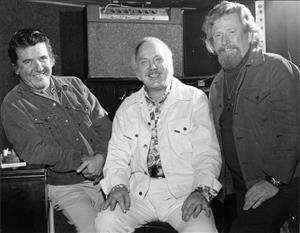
[(179, 137), (256, 95)]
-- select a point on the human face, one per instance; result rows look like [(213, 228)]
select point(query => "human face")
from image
[(230, 40), (34, 66), (153, 66)]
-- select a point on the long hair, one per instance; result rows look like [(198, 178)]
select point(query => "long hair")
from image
[(226, 8)]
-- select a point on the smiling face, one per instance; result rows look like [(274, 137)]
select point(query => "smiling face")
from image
[(230, 40), (34, 66), (154, 66)]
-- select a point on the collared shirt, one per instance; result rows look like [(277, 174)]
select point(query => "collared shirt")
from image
[(153, 160)]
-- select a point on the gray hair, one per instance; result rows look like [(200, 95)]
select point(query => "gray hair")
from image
[(226, 8), (167, 50)]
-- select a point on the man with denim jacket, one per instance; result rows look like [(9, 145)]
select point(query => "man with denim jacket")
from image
[(255, 105), (163, 158), (57, 122)]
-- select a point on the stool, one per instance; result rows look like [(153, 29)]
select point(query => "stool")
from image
[(155, 227)]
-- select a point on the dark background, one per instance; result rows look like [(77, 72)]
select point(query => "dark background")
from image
[(66, 27)]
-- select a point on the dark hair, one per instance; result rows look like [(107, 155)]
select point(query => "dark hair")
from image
[(226, 8), (27, 37)]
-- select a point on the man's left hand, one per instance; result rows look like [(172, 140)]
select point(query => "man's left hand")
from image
[(193, 205), (258, 193), (92, 166)]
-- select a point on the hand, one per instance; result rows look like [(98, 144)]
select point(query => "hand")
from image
[(119, 195), (92, 166), (193, 205), (258, 193)]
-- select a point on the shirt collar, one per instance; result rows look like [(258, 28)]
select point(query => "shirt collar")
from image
[(164, 97), (59, 84)]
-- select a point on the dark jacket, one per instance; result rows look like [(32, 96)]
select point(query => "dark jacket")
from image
[(265, 118), (43, 131)]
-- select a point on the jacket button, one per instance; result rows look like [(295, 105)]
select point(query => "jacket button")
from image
[(54, 104), (136, 135), (149, 123), (184, 128), (140, 193), (145, 146)]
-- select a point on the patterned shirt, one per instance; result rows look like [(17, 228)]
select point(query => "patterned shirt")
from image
[(153, 159)]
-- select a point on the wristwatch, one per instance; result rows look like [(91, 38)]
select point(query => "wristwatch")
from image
[(274, 181)]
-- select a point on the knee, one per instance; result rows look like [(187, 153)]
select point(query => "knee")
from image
[(204, 224), (105, 221)]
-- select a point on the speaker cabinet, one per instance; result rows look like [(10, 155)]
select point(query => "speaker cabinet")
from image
[(111, 42)]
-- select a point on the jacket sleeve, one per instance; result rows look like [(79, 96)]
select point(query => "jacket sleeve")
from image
[(100, 122), (285, 104), (206, 151), (30, 145), (117, 167)]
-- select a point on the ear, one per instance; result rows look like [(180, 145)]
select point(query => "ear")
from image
[(52, 61), (134, 66), (16, 69), (250, 37)]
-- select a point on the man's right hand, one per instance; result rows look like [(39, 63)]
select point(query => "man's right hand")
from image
[(118, 195)]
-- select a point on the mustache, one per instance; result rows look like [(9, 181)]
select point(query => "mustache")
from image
[(154, 72)]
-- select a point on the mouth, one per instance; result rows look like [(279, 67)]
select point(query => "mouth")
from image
[(227, 49), (39, 75), (154, 74)]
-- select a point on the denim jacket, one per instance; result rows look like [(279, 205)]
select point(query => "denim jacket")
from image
[(187, 143), (265, 118), (44, 131)]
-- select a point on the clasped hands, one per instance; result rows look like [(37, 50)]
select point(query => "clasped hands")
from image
[(91, 167)]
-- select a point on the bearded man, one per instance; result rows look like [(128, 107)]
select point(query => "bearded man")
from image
[(255, 105)]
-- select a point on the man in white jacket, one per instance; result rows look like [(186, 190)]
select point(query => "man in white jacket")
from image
[(163, 157)]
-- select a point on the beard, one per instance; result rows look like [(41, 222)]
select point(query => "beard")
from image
[(229, 57)]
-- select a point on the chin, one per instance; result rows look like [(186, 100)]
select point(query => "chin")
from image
[(229, 62)]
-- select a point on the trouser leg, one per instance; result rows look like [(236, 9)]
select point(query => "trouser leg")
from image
[(140, 212), (270, 215), (168, 209), (200, 224), (79, 203)]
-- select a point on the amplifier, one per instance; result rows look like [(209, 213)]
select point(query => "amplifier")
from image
[(129, 13), (113, 33)]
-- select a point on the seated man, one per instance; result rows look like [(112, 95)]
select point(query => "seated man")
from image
[(255, 104), (57, 122), (163, 158)]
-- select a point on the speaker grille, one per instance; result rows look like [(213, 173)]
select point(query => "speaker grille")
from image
[(111, 45)]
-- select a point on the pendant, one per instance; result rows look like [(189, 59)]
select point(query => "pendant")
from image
[(229, 106)]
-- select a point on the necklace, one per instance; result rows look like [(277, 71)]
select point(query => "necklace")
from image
[(231, 89)]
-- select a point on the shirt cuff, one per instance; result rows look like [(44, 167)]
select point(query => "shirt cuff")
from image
[(207, 192)]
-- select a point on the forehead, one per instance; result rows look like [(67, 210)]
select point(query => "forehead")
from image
[(227, 21), (151, 48), (39, 49)]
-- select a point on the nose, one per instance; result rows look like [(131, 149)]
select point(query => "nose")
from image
[(152, 65), (225, 39), (38, 65)]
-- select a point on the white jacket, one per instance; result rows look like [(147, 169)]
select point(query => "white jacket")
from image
[(188, 146)]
